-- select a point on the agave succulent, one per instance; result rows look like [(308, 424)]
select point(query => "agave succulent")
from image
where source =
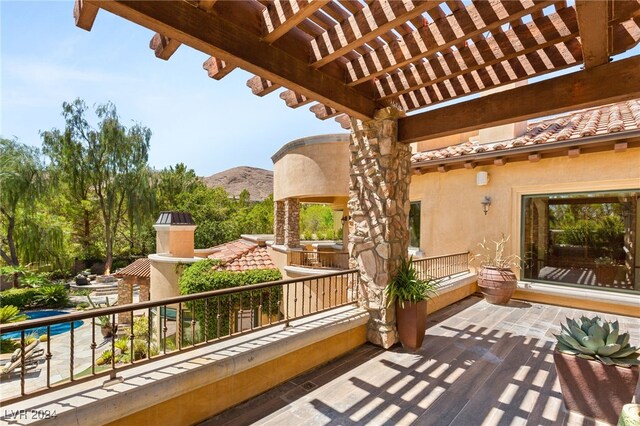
[(596, 339)]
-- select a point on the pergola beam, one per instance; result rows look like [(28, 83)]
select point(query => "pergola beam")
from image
[(217, 68), (84, 14), (561, 94), (365, 25), (210, 33), (282, 15), (594, 31)]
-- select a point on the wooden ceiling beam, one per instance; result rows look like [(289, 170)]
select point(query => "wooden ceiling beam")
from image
[(594, 31), (344, 121), (217, 68), (506, 45), (282, 15), (84, 14), (364, 26), (561, 94), (438, 36), (164, 46), (212, 34)]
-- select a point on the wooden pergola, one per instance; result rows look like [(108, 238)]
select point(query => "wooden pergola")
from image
[(351, 57), (372, 63)]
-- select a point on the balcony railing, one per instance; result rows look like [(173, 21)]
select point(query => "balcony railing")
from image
[(319, 259), (158, 329), (442, 266)]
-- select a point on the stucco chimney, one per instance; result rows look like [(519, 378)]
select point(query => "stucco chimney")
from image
[(175, 234), (506, 131)]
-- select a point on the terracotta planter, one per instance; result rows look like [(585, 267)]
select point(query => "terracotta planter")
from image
[(606, 274), (593, 389), (412, 324), (497, 284)]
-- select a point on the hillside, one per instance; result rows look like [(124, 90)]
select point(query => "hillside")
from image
[(259, 182)]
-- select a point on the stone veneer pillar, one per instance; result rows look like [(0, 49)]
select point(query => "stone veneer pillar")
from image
[(278, 222), (125, 297), (379, 206), (292, 222)]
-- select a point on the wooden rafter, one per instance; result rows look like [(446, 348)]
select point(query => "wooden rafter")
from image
[(365, 25), (218, 37), (564, 93), (164, 46), (323, 112), (548, 59), (594, 31), (526, 38), (293, 99), (438, 36), (84, 14), (281, 16)]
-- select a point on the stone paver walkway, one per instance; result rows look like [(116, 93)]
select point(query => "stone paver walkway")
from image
[(479, 364)]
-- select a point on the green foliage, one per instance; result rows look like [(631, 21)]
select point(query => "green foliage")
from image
[(596, 339), (9, 313), (316, 222), (8, 345), (22, 298), (105, 357), (202, 276), (407, 286), (52, 296)]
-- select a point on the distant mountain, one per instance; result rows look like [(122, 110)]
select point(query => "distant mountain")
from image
[(259, 182)]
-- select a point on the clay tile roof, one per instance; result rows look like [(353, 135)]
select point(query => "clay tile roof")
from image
[(242, 255), (140, 268), (608, 119)]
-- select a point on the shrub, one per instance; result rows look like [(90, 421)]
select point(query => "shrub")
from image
[(202, 276), (52, 296), (21, 298), (8, 346), (9, 314)]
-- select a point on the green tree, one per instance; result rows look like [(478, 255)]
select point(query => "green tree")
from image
[(114, 161), (173, 181), (21, 185)]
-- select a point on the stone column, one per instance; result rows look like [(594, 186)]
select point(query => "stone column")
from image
[(278, 222), (292, 222), (125, 297), (143, 284), (379, 207)]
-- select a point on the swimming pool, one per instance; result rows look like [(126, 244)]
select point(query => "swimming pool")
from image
[(55, 329)]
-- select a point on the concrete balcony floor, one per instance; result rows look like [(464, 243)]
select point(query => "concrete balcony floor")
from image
[(479, 364)]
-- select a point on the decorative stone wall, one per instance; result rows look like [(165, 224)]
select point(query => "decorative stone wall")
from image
[(278, 222), (292, 222), (379, 206), (144, 284)]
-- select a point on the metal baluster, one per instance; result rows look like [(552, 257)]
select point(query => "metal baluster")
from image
[(239, 316), (218, 318), (310, 295), (251, 310), (302, 297), (324, 284), (206, 320), (22, 368), (261, 308), (132, 354), (330, 305), (317, 290), (335, 292), (49, 355), (72, 350), (287, 310), (295, 300), (113, 348), (149, 333), (270, 304), (164, 331), (193, 323), (230, 316), (179, 330)]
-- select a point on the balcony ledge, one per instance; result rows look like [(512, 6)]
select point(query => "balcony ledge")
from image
[(168, 378)]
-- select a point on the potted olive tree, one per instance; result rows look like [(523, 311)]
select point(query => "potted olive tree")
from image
[(496, 279), (597, 367), (410, 293)]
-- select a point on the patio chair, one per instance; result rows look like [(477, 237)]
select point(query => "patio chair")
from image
[(32, 356)]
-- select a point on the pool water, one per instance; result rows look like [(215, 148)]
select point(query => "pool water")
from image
[(55, 329)]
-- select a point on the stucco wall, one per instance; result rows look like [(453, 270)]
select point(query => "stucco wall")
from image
[(451, 214), (312, 167)]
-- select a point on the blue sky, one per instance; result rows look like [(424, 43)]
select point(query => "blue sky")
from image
[(207, 124)]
